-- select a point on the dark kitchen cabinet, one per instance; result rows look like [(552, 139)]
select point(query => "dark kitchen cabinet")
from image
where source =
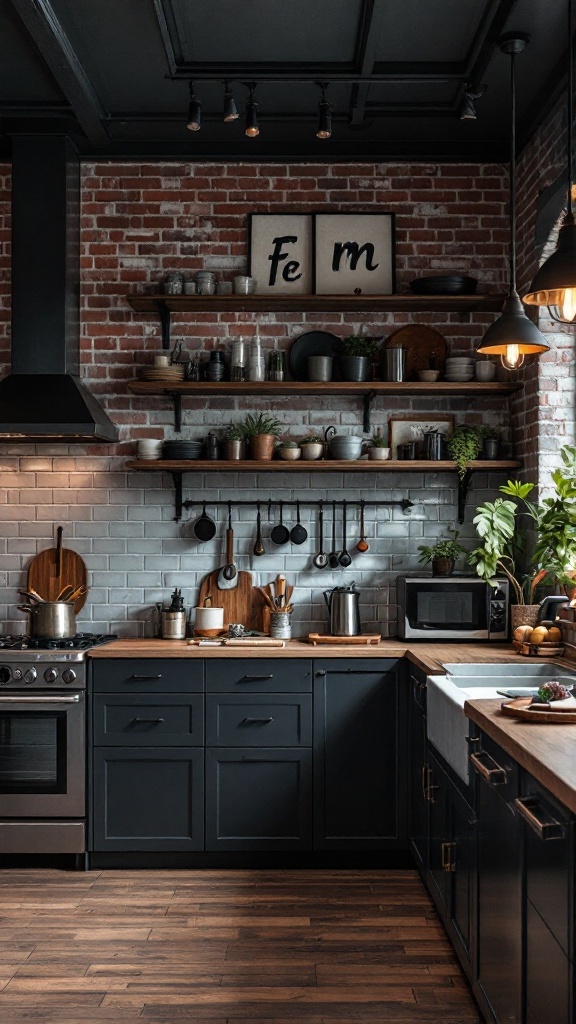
[(148, 799), (254, 720), (359, 751), (418, 769), (258, 799)]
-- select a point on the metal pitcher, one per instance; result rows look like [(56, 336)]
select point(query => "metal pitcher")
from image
[(343, 611)]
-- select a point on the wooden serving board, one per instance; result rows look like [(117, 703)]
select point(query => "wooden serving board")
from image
[(54, 568), (349, 641), (520, 708), (422, 344), (241, 604), (543, 650)]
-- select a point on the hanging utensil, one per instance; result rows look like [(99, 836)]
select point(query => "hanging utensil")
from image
[(321, 559), (259, 546), (204, 527), (345, 559), (362, 544), (228, 577), (280, 534), (298, 534), (334, 556)]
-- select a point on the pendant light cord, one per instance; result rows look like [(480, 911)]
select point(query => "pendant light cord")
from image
[(512, 212)]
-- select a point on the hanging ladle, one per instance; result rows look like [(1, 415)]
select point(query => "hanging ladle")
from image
[(258, 548), (280, 534), (321, 559), (362, 544), (345, 559), (298, 534), (334, 556)]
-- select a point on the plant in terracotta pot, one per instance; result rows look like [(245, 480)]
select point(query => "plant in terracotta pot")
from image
[(464, 446), (234, 444), (357, 354), (443, 555), (261, 431)]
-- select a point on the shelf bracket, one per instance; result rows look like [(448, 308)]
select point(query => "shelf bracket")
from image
[(463, 488), (177, 478), (164, 314), (177, 402), (367, 401)]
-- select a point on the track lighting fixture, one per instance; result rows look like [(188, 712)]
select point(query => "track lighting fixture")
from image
[(252, 127), (230, 111), (194, 120), (468, 107), (512, 335), (324, 130), (555, 283)]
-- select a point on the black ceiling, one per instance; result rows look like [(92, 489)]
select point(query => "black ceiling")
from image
[(116, 74)]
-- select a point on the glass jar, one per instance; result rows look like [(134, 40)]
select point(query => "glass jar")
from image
[(239, 360), (276, 365), (174, 284), (206, 282), (257, 361)]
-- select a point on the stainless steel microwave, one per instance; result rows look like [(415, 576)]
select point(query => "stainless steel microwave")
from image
[(452, 608)]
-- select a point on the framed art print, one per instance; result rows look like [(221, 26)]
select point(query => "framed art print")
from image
[(354, 254), (281, 253)]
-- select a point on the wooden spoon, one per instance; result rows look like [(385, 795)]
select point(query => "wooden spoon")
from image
[(362, 544)]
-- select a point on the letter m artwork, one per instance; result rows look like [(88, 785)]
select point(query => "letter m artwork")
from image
[(353, 253)]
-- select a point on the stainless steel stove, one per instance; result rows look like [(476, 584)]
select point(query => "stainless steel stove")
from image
[(42, 743)]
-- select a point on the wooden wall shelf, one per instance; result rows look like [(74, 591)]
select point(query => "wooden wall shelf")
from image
[(405, 303)]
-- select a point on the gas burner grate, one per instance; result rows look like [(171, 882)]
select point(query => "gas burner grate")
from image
[(80, 642)]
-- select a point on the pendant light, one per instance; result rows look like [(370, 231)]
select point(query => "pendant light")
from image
[(252, 128), (194, 119), (324, 129), (230, 110), (512, 335), (555, 283)]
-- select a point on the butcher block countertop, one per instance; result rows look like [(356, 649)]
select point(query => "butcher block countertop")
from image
[(548, 752), (426, 656)]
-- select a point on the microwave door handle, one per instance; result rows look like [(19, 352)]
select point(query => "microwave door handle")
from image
[(72, 699)]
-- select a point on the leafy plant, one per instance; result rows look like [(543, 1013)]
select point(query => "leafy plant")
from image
[(312, 439), (360, 345), (490, 433), (464, 446), (257, 425), (288, 444), (379, 442), (442, 549), (235, 432)]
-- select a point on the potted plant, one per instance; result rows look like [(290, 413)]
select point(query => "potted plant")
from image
[(234, 444), (261, 431), (443, 555), (357, 354), (464, 446), (491, 437), (312, 447), (378, 449), (289, 450)]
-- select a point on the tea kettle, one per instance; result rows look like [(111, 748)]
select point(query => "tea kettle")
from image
[(343, 610)]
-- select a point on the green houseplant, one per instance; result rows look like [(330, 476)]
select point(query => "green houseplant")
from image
[(443, 555), (261, 431), (357, 353), (312, 447), (379, 449), (464, 446), (234, 444)]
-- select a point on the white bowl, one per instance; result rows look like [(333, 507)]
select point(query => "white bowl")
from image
[(378, 454), (428, 376), (290, 454)]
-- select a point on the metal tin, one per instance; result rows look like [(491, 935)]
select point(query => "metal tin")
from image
[(280, 626)]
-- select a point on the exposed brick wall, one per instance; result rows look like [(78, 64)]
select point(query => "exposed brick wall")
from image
[(138, 222)]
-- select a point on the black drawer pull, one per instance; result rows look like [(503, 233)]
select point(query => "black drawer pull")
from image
[(320, 673), (140, 678), (264, 721), (151, 721), (254, 679)]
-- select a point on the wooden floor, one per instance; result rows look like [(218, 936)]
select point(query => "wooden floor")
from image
[(320, 947)]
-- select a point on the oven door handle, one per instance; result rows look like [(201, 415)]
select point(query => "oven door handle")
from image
[(72, 699)]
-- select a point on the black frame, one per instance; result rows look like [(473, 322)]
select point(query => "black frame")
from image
[(284, 213), (357, 213)]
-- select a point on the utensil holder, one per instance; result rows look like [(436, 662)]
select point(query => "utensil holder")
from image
[(280, 626)]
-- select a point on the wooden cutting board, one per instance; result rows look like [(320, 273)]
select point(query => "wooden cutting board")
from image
[(422, 344), (241, 604), (55, 568)]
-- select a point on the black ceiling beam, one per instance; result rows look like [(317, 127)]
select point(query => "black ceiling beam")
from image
[(47, 33), (371, 29), (486, 42)]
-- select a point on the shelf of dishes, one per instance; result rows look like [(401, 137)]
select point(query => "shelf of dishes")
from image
[(198, 465), (292, 387)]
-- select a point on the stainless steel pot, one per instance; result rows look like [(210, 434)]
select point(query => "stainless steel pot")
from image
[(52, 620), (344, 611)]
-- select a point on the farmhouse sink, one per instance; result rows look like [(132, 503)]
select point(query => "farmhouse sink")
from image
[(447, 726)]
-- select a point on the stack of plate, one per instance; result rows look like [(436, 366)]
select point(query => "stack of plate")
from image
[(182, 449), (459, 369), (149, 449), (167, 374)]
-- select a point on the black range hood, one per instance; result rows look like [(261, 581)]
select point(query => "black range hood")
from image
[(43, 398)]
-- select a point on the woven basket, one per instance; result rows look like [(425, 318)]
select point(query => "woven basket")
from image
[(524, 615)]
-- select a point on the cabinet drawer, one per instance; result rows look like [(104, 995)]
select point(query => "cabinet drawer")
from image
[(259, 675), (268, 721), (142, 721), (147, 675)]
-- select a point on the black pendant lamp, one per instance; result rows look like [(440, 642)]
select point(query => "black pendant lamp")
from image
[(555, 283), (512, 336)]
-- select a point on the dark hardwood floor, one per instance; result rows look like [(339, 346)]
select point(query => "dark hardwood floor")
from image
[(167, 947)]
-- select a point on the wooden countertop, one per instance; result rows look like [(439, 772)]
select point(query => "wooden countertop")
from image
[(548, 752)]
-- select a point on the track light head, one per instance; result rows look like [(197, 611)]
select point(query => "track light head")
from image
[(230, 110), (194, 119), (468, 107), (324, 130), (252, 127)]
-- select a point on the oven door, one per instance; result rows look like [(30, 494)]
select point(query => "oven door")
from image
[(42, 755), (453, 608)]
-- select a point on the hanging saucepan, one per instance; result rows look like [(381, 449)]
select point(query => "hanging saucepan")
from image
[(204, 527)]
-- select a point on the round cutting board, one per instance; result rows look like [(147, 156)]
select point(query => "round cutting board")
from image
[(422, 344), (520, 708)]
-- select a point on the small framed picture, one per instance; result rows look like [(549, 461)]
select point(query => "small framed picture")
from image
[(280, 253), (354, 254), (413, 426)]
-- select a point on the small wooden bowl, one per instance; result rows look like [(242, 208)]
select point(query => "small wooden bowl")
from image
[(209, 633)]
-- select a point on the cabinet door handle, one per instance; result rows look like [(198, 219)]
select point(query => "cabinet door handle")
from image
[(264, 721), (429, 786), (321, 672), (447, 849), (254, 679), (548, 829), (495, 775), (151, 721), (142, 678)]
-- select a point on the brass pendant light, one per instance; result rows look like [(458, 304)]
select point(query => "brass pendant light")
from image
[(512, 336), (555, 282)]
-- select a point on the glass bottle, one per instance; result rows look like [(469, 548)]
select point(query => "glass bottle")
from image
[(257, 371), (239, 360), (276, 365)]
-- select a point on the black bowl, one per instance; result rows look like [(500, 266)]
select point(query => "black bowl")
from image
[(444, 284)]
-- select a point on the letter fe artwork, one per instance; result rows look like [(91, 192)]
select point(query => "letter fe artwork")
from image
[(281, 257)]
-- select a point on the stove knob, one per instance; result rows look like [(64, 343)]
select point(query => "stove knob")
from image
[(68, 675), (51, 675), (30, 675), (5, 674)]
